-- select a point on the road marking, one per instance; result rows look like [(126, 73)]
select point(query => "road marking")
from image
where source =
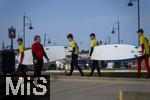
[(120, 95), (103, 71)]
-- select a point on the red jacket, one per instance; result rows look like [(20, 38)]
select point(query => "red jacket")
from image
[(38, 51)]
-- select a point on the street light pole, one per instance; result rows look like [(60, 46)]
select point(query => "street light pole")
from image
[(24, 28), (138, 3), (118, 32), (107, 40), (44, 39), (25, 24), (138, 14), (138, 19), (3, 46), (19, 34), (11, 47), (118, 29)]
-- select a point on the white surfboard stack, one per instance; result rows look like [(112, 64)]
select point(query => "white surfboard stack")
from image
[(53, 52), (102, 52), (116, 52)]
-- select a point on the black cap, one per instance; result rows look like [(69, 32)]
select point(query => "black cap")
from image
[(69, 35), (92, 34), (140, 30), (20, 39)]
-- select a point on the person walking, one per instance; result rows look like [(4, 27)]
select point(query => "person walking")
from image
[(21, 68), (144, 42), (74, 55), (94, 63), (38, 54)]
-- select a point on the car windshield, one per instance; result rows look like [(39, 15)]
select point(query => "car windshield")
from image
[(82, 61)]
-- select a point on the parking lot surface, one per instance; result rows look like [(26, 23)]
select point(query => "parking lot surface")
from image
[(77, 88)]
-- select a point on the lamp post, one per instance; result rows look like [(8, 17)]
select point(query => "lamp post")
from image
[(26, 24), (138, 3), (44, 39), (121, 41), (107, 40), (3, 45), (49, 41), (19, 33), (118, 29)]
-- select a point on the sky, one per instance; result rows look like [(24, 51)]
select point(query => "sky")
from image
[(57, 18)]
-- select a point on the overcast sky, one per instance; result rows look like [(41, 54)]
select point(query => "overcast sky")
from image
[(80, 17)]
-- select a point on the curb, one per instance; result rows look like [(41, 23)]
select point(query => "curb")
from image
[(101, 79)]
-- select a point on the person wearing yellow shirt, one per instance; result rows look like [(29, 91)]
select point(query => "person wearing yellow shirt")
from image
[(144, 42), (94, 63), (21, 67), (74, 54)]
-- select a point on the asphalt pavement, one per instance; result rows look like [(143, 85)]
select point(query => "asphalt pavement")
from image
[(88, 88)]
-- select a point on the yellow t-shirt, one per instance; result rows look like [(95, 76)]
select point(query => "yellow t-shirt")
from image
[(94, 43), (73, 44), (21, 48), (144, 40)]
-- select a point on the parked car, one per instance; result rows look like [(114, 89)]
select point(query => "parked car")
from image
[(83, 64)]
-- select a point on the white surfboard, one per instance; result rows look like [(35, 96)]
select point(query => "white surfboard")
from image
[(116, 52), (54, 53)]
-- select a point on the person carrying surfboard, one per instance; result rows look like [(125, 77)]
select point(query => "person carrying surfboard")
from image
[(74, 54), (144, 42), (94, 63), (38, 54), (21, 67)]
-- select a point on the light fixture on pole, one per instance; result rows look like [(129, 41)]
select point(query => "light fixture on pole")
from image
[(130, 3), (138, 19), (49, 41), (107, 40), (118, 29), (26, 24)]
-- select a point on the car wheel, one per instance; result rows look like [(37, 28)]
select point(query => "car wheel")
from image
[(52, 67)]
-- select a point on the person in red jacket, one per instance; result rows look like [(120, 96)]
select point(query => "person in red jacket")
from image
[(38, 54)]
